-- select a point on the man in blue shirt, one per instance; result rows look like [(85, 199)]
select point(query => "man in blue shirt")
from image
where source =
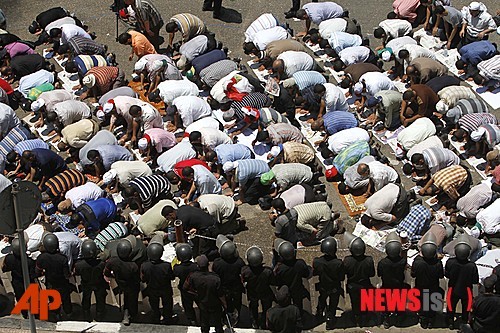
[(42, 164), (334, 121), (472, 54), (95, 215), (228, 153)]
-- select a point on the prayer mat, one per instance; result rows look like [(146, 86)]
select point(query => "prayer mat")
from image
[(353, 205)]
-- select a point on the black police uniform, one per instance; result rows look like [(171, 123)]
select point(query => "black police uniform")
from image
[(392, 273), (461, 275), (92, 280), (205, 224), (126, 274), (258, 281), (486, 313), (330, 271), (12, 263), (182, 271), (427, 273), (55, 268), (284, 319), (158, 277), (208, 290), (229, 273), (358, 270), (290, 273)]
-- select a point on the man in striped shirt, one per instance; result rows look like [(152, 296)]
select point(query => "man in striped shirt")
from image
[(469, 123), (431, 160), (210, 75), (14, 156), (315, 220), (463, 107), (489, 73), (57, 186), (78, 45), (148, 18), (242, 173), (100, 80), (487, 136), (113, 231), (144, 192), (189, 26), (286, 175), (278, 134), (449, 184), (334, 121)]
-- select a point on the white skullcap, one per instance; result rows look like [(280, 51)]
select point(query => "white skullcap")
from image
[(386, 56), (142, 143), (228, 166), (36, 105), (89, 80), (100, 115), (139, 65), (157, 64), (109, 176), (474, 5), (228, 115), (358, 88), (107, 107), (275, 150), (442, 107)]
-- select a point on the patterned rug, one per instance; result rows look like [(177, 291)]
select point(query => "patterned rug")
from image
[(353, 205)]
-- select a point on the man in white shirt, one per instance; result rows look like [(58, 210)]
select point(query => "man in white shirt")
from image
[(169, 90), (477, 23), (188, 109), (317, 12), (77, 196), (263, 22), (264, 37), (418, 131), (180, 152), (388, 205), (332, 98), (407, 54), (290, 62), (488, 220), (68, 112), (8, 120), (145, 117), (66, 32), (209, 138), (221, 207), (343, 139), (371, 83), (392, 28), (353, 55), (379, 175), (122, 172)]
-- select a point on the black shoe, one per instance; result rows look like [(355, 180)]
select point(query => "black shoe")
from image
[(35, 118), (126, 318), (87, 316), (207, 9), (290, 14), (306, 117)]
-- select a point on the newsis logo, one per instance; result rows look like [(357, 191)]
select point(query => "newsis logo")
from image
[(400, 300)]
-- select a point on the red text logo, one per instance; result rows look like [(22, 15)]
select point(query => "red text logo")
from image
[(38, 301)]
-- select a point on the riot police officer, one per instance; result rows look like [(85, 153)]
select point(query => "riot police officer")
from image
[(391, 269), (359, 268), (54, 265), (290, 271), (90, 268), (258, 279), (12, 264), (427, 269), (284, 317), (228, 267), (158, 276), (462, 275), (184, 267), (330, 271), (126, 273)]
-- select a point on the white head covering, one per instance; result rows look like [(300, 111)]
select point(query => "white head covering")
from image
[(107, 107), (358, 88), (474, 5), (142, 143), (36, 105), (109, 176), (228, 115), (157, 64), (139, 65), (275, 150), (442, 107), (100, 114), (454, 114), (228, 166), (89, 80), (386, 56)]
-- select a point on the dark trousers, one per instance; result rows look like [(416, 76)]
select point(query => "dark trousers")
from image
[(253, 305), (65, 292), (100, 298), (355, 296), (233, 299), (187, 304), (296, 5), (454, 302), (328, 300), (155, 39), (167, 302), (211, 316), (215, 4), (130, 300)]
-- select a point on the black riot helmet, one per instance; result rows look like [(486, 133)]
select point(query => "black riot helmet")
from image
[(463, 248), (89, 249), (355, 244), (393, 245), (227, 249), (329, 246), (254, 256), (124, 249), (155, 248), (50, 243), (429, 246), (284, 248), (15, 247), (183, 252)]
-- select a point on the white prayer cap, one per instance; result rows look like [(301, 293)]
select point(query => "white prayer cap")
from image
[(142, 143), (109, 176), (36, 105)]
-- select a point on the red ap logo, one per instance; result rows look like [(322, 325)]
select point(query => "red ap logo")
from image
[(38, 301)]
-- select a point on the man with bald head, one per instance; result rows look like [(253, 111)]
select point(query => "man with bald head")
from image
[(290, 62), (378, 174), (422, 69)]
